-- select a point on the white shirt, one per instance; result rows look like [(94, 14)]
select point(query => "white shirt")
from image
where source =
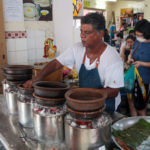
[(110, 68)]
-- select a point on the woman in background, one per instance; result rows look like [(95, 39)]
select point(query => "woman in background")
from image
[(140, 57)]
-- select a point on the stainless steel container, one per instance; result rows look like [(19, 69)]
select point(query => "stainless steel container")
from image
[(5, 86), (49, 128), (11, 99), (86, 139), (25, 113)]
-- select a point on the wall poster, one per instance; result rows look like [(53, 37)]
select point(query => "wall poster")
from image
[(37, 10), (77, 7)]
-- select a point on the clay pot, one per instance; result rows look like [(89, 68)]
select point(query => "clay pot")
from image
[(18, 77), (85, 115), (18, 69), (49, 101), (85, 99), (50, 89), (25, 91)]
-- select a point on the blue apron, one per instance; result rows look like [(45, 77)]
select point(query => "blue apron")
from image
[(91, 79)]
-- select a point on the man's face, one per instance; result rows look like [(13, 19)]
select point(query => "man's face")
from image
[(89, 36)]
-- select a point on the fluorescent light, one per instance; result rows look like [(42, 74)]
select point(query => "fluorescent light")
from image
[(111, 0)]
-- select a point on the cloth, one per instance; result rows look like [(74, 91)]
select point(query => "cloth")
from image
[(110, 68), (143, 54), (112, 34), (91, 79)]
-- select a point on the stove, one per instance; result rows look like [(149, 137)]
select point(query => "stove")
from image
[(86, 131), (49, 123)]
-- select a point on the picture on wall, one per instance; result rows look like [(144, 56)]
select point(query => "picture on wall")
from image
[(77, 7), (38, 10)]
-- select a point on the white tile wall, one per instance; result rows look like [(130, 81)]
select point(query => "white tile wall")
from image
[(21, 44), (11, 45), (35, 46), (17, 51), (26, 50)]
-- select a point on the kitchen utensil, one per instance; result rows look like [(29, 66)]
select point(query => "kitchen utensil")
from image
[(85, 115), (50, 89), (25, 91), (49, 101), (18, 69), (86, 139), (126, 123), (85, 99), (49, 128), (18, 77)]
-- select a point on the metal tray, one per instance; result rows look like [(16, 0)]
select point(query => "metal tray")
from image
[(126, 123)]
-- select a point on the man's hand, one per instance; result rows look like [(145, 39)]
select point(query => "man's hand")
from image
[(28, 84)]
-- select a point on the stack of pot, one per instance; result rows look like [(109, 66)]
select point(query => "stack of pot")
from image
[(48, 112), (14, 75), (86, 125)]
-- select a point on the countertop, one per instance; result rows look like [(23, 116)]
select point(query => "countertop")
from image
[(15, 137)]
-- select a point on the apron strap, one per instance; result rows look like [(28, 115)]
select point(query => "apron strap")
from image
[(98, 58)]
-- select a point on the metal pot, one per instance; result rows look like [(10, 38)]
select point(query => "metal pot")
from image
[(18, 69), (11, 99), (85, 99), (25, 113), (49, 128), (86, 139), (50, 89)]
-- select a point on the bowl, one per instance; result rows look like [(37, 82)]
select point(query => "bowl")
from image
[(85, 99), (50, 89)]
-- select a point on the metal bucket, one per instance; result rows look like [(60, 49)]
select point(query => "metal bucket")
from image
[(11, 99), (25, 114), (49, 128), (86, 139)]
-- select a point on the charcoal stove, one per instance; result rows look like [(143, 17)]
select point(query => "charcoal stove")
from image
[(87, 130), (48, 119)]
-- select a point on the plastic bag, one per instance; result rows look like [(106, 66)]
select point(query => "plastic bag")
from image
[(129, 79), (139, 92)]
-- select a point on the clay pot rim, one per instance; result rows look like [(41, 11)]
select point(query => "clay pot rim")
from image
[(18, 67), (66, 87), (86, 112), (48, 99), (69, 92), (20, 86)]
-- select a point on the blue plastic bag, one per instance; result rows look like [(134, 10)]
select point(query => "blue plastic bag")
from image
[(129, 79)]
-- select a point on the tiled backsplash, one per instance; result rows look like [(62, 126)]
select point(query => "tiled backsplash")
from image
[(26, 48)]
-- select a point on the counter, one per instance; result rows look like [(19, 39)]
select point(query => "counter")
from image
[(15, 137)]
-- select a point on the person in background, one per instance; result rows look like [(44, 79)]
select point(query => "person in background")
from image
[(106, 36), (131, 32), (112, 31), (140, 57), (98, 65), (125, 52), (127, 49), (119, 41)]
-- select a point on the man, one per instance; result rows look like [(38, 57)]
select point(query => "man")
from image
[(98, 65)]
